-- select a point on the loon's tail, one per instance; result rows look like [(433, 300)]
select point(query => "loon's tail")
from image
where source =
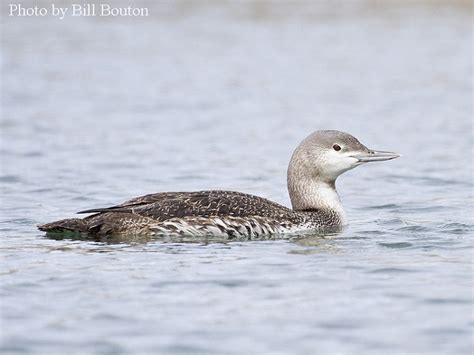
[(76, 225)]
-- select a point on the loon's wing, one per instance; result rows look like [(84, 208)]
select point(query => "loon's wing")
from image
[(166, 205)]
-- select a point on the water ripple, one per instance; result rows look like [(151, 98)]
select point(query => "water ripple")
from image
[(396, 245), (10, 179), (447, 301), (414, 228), (392, 270), (457, 228)]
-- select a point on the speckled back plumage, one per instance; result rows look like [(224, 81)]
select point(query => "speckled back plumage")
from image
[(200, 213)]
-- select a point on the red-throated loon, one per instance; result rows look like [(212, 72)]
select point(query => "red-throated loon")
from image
[(314, 167)]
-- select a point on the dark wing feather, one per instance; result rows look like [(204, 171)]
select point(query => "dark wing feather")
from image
[(166, 205)]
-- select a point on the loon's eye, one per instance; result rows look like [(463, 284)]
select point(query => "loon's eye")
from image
[(336, 147)]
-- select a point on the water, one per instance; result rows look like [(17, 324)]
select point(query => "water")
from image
[(96, 111)]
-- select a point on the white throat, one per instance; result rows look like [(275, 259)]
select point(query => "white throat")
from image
[(312, 194)]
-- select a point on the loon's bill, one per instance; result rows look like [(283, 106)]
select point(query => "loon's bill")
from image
[(375, 155)]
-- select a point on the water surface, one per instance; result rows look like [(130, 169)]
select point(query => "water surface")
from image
[(96, 111)]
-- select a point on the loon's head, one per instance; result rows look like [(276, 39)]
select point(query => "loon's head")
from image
[(318, 161), (329, 153)]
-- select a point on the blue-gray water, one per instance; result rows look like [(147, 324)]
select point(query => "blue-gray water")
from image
[(96, 111)]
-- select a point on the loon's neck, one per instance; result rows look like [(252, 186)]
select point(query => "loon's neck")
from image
[(314, 194)]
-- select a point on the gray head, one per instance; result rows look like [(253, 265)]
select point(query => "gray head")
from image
[(321, 158)]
